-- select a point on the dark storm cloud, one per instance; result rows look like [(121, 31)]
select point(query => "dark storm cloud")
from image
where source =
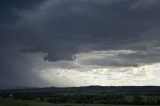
[(9, 9), (68, 27), (62, 28)]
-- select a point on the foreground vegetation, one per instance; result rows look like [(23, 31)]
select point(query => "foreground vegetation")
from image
[(82, 96), (79, 99), (8, 102)]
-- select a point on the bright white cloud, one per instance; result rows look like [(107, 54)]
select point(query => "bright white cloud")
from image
[(143, 75)]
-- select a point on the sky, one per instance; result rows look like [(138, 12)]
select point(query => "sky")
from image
[(66, 43)]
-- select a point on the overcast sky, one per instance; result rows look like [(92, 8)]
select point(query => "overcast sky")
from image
[(79, 43)]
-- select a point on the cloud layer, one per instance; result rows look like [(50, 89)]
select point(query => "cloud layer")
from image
[(117, 33)]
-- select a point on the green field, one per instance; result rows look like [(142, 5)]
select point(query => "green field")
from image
[(35, 103)]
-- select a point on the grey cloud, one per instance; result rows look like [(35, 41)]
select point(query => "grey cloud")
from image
[(70, 27), (9, 9), (139, 58), (73, 26)]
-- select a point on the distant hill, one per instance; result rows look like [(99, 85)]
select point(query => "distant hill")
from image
[(145, 90)]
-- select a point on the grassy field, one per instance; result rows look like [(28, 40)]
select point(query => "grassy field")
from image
[(34, 103)]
